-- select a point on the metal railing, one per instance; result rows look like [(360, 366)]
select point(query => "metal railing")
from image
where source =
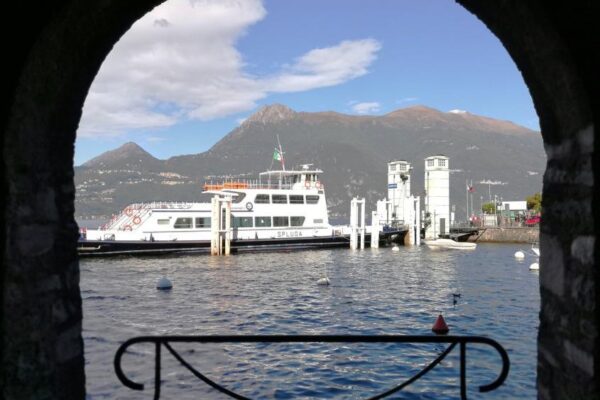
[(451, 341)]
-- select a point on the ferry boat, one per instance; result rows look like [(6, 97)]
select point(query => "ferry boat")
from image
[(282, 210)]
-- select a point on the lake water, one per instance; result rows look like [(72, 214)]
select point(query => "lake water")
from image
[(372, 292)]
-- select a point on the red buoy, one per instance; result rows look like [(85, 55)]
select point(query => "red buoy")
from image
[(440, 327)]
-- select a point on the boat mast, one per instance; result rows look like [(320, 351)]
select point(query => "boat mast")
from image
[(281, 153)]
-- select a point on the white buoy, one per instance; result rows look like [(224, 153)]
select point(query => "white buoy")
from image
[(534, 267), (395, 248), (519, 255), (164, 284), (323, 281)]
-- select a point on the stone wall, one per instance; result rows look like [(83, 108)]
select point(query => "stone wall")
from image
[(552, 48), (506, 235), (53, 54)]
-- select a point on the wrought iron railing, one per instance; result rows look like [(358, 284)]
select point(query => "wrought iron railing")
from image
[(451, 341)]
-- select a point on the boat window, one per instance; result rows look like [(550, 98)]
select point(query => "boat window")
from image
[(318, 221), (281, 221), (296, 221), (442, 163), (430, 163), (242, 222), (203, 222), (183, 223), (262, 221), (262, 199), (237, 199), (279, 199), (312, 199), (164, 221), (296, 199)]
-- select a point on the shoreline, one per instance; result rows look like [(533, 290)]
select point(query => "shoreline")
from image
[(495, 234)]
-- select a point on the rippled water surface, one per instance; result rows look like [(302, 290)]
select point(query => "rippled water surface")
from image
[(372, 292)]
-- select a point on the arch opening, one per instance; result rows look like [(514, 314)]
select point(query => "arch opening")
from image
[(40, 272)]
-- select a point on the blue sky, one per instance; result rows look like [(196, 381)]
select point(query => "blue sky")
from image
[(190, 71)]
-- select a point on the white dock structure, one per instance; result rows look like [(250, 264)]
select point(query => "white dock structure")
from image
[(437, 196), (357, 228), (398, 190), (401, 208)]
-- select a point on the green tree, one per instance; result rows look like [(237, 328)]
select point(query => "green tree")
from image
[(534, 202), (488, 208)]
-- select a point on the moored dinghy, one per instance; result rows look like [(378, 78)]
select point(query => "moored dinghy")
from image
[(449, 244)]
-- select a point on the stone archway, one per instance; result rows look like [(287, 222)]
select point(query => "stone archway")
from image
[(61, 47)]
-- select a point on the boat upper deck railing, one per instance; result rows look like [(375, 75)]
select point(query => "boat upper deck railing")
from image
[(179, 205), (250, 184)]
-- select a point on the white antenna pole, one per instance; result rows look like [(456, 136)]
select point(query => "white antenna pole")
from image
[(281, 153)]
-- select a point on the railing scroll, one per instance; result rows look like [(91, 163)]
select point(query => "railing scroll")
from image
[(451, 341)]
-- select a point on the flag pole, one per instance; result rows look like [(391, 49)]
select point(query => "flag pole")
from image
[(471, 191), (467, 189)]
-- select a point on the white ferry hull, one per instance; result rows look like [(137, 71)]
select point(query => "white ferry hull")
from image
[(89, 248), (288, 211)]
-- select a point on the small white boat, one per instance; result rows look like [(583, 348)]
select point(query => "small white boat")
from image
[(449, 244)]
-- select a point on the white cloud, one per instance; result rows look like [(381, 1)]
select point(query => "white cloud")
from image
[(180, 62), (366, 108), (327, 66)]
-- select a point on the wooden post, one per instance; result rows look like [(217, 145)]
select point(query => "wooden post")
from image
[(374, 230), (353, 223), (215, 225), (228, 226), (418, 221), (362, 224)]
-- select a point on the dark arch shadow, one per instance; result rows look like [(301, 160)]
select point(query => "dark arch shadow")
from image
[(61, 45)]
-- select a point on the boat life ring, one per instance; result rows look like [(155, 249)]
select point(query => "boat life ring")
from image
[(249, 206), (129, 211), (127, 228), (307, 184), (137, 220), (318, 185)]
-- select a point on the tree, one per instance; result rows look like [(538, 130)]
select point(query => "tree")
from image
[(534, 202), (488, 208)]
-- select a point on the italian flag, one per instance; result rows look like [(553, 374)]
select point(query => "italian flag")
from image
[(277, 155)]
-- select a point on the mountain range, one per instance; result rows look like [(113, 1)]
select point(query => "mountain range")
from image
[(499, 157)]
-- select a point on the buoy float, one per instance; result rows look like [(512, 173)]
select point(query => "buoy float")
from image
[(440, 327), (534, 267), (164, 284), (395, 248), (323, 281), (519, 255)]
